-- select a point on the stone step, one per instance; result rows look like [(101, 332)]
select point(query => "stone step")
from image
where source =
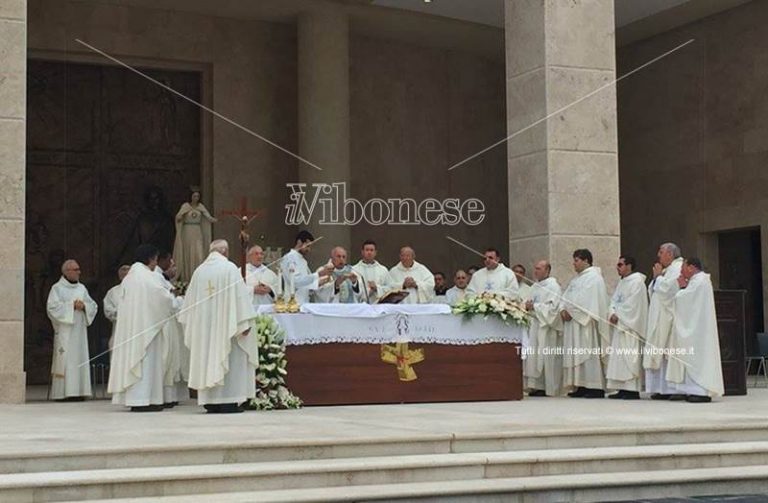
[(253, 452), (375, 471), (617, 486)]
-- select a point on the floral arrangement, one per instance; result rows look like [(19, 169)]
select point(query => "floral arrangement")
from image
[(492, 304), (180, 287), (271, 392)]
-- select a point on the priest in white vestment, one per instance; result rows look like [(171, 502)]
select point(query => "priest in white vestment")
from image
[(696, 371), (543, 366), (345, 286), (136, 374), (374, 275), (629, 317), (495, 277), (662, 292), (413, 277), (458, 291), (71, 311), (299, 280), (112, 302), (217, 317), (585, 329), (262, 283), (524, 289), (175, 353)]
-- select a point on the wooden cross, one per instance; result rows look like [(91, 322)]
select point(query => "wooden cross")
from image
[(400, 355), (244, 216)]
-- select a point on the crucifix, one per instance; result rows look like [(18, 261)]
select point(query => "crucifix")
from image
[(244, 216)]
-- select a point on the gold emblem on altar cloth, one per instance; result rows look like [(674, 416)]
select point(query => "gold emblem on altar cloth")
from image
[(399, 354)]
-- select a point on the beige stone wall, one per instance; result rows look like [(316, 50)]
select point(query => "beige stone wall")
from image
[(416, 111), (563, 176), (13, 92), (693, 136)]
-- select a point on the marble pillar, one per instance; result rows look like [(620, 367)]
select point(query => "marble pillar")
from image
[(13, 89), (323, 109), (562, 173)]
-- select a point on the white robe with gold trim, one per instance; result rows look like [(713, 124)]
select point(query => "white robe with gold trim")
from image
[(70, 370)]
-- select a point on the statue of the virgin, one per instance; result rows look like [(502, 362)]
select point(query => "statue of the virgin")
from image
[(193, 235)]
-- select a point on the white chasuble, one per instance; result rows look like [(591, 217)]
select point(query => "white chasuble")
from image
[(500, 280), (378, 274), (261, 275), (661, 292), (217, 316), (425, 281), (697, 369), (136, 372)]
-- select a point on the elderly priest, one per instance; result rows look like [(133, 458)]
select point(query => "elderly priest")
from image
[(217, 316), (413, 277), (136, 376), (71, 311), (263, 284)]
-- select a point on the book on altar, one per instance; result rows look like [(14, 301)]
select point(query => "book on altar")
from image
[(394, 297)]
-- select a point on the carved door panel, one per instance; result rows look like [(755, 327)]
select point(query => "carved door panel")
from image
[(110, 157)]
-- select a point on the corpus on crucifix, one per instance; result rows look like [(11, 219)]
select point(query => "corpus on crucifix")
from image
[(244, 216)]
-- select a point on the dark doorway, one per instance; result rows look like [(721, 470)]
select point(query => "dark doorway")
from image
[(741, 269), (110, 157)]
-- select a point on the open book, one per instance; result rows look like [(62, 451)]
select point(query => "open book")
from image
[(393, 297)]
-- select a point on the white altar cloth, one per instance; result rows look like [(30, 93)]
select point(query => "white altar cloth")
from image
[(388, 323)]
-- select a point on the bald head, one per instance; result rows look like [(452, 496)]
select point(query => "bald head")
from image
[(407, 256), (339, 257), (70, 269), (541, 270)]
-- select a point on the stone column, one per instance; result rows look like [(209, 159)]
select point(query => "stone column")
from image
[(563, 173), (323, 74), (13, 105)]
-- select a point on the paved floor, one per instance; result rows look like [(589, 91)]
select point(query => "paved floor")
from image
[(752, 498), (51, 427)]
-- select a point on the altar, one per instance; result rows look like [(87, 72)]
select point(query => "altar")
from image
[(366, 354)]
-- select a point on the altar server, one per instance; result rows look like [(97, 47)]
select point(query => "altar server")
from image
[(299, 280)]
